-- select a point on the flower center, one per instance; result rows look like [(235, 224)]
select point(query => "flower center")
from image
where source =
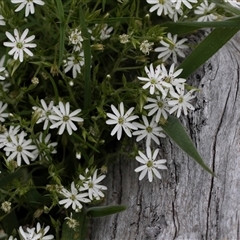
[(150, 164), (90, 185), (73, 198), (153, 81), (162, 1), (20, 45), (149, 129), (160, 104), (121, 120), (171, 46), (48, 113), (180, 100), (65, 118), (19, 148)]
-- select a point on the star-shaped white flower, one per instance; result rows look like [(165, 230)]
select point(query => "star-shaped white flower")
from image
[(150, 131), (150, 164), (28, 234), (28, 4), (122, 121), (75, 63), (171, 79), (180, 101), (43, 231), (105, 32), (64, 119), (205, 9), (234, 3), (3, 115), (44, 112), (20, 148), (164, 6), (153, 81), (19, 44), (91, 184), (185, 2), (6, 136), (45, 147), (159, 106), (73, 198), (75, 37), (172, 48)]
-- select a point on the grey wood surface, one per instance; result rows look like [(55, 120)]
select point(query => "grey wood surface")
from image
[(188, 203)]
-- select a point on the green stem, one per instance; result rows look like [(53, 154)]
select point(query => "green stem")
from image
[(87, 60)]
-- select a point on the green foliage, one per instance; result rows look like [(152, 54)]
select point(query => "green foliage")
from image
[(115, 45)]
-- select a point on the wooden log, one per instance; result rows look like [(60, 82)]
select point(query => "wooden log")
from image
[(188, 203)]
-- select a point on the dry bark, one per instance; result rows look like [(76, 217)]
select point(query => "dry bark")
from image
[(188, 203)]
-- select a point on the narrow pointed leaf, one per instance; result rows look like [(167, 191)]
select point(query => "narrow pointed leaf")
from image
[(181, 28), (104, 211), (177, 133), (210, 45)]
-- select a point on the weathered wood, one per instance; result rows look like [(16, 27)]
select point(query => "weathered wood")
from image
[(188, 203)]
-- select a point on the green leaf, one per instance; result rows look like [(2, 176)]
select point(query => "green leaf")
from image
[(105, 210), (87, 60), (181, 28), (210, 45), (177, 133), (62, 31), (10, 222), (5, 180)]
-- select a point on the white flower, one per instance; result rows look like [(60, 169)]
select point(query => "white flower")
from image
[(44, 112), (12, 238), (75, 37), (146, 46), (2, 108), (42, 232), (150, 165), (159, 106), (181, 101), (105, 32), (29, 234), (170, 78), (185, 2), (175, 14), (19, 44), (2, 21), (78, 155), (234, 3), (153, 80), (75, 63), (73, 198), (46, 147), (149, 131), (91, 184), (71, 222), (203, 9), (122, 121), (124, 38), (2, 68), (172, 47), (164, 6), (6, 136), (6, 206), (64, 119), (19, 148), (29, 4)]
